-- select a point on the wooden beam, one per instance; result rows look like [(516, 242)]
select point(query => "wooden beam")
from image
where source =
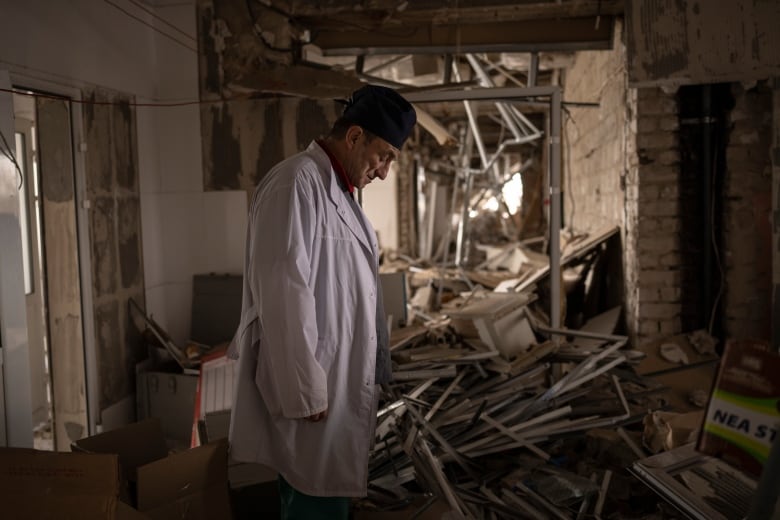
[(335, 37), (431, 11), (298, 80)]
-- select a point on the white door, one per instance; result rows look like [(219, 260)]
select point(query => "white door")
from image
[(34, 281)]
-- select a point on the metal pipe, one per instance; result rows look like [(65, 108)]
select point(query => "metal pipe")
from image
[(473, 125), (463, 224), (487, 82), (475, 130), (427, 251), (468, 145), (500, 70), (473, 48), (384, 64), (555, 210), (533, 68), (481, 94), (580, 333), (775, 309), (531, 130), (500, 150), (707, 197), (448, 233), (359, 64), (447, 68), (602, 494)]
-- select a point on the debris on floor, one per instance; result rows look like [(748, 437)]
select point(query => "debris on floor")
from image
[(495, 414)]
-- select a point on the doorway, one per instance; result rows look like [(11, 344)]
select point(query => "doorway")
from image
[(49, 232), (29, 223)]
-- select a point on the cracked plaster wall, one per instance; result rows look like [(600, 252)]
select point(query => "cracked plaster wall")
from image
[(243, 137), (700, 41), (115, 236)]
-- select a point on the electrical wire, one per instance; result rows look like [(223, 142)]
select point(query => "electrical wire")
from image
[(163, 20), (144, 22), (128, 103), (9, 153), (714, 241), (567, 150)]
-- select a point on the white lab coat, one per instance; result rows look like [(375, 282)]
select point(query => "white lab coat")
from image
[(307, 338)]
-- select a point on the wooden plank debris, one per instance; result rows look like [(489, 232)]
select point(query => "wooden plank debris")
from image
[(483, 388), (443, 431)]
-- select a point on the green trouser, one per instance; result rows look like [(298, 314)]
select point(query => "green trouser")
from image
[(299, 506)]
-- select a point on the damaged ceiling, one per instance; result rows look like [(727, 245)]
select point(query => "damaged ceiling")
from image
[(314, 39), (324, 50)]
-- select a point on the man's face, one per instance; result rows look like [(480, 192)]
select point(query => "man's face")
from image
[(368, 159)]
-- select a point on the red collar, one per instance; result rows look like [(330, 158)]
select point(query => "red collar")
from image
[(337, 167)]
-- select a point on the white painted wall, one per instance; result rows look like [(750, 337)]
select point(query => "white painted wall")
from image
[(79, 42), (92, 43), (186, 231)]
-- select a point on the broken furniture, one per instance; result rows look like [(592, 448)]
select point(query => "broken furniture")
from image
[(467, 418), (500, 320), (700, 486), (167, 391)]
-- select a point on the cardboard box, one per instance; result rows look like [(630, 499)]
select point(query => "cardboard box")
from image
[(50, 485), (188, 485), (170, 398)]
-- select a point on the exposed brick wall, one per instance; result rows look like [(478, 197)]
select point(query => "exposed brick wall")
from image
[(622, 165), (747, 206), (653, 217), (617, 166)]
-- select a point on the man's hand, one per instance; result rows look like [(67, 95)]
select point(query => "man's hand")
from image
[(317, 417)]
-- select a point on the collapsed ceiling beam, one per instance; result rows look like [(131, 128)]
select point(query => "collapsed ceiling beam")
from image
[(563, 34), (298, 80), (428, 11)]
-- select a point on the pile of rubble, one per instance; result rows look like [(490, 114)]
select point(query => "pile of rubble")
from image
[(461, 419), (497, 415)]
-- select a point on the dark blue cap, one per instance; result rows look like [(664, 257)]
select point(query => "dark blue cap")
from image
[(383, 112)]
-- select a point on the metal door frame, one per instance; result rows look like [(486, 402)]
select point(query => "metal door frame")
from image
[(83, 240)]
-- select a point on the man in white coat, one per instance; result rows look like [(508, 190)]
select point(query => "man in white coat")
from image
[(312, 342)]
